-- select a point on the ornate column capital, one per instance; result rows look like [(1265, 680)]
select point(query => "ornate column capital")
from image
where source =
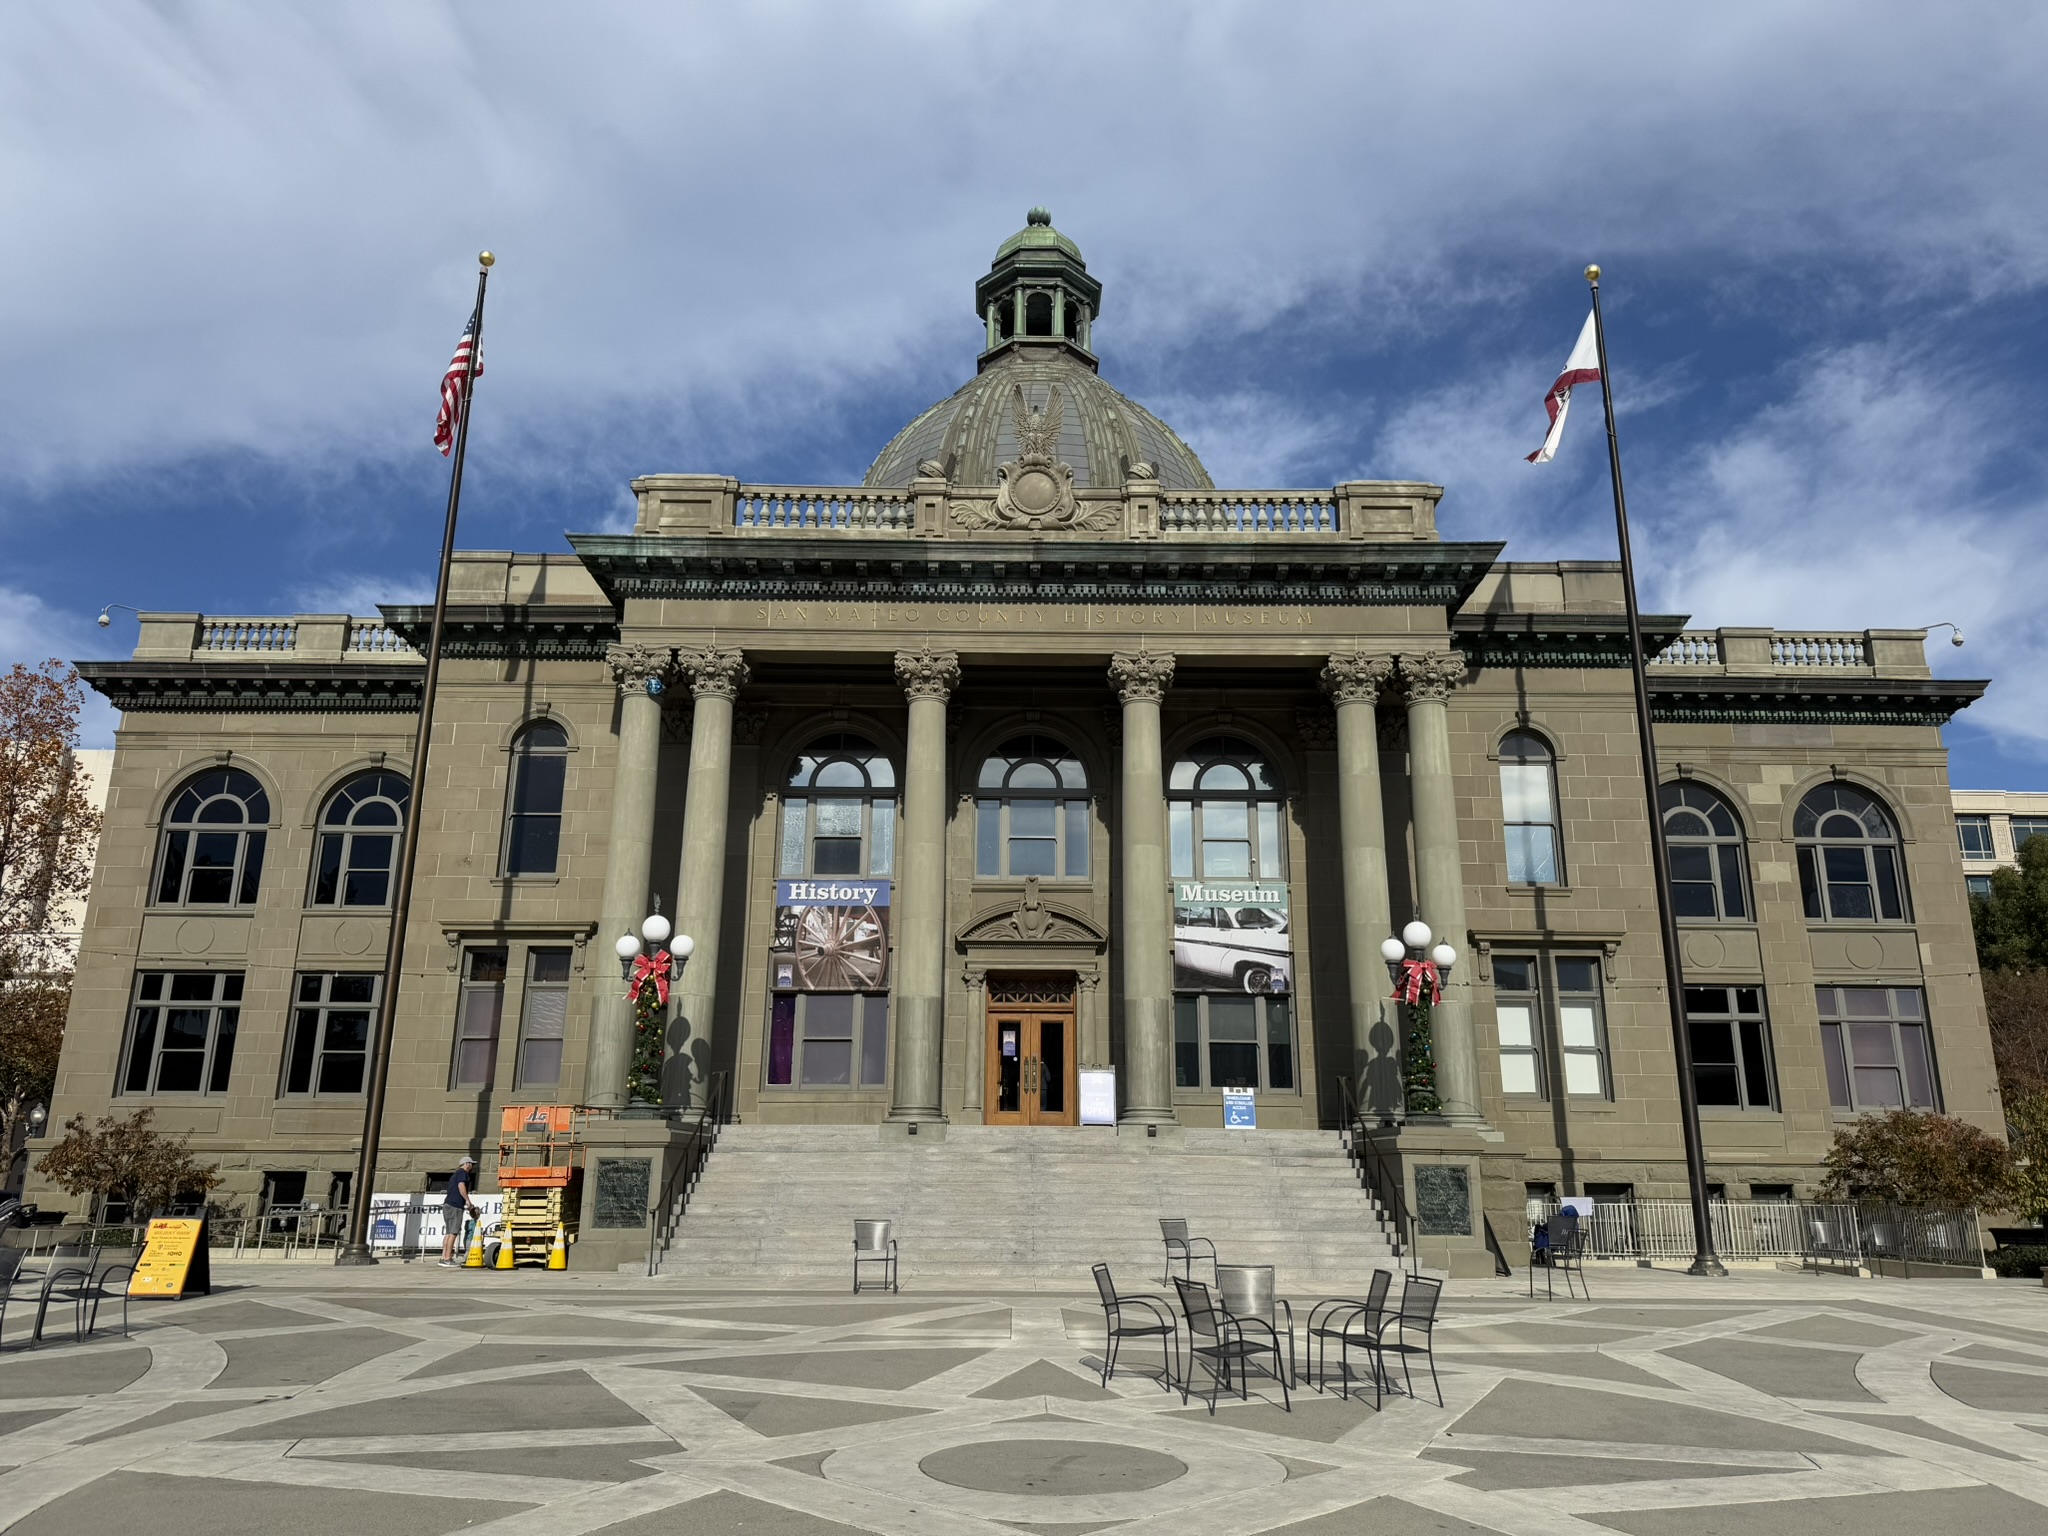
[(1140, 676), (714, 671), (928, 674), (639, 668), (1432, 674), (1355, 679)]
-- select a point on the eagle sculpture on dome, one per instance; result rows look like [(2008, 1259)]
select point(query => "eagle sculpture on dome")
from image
[(1035, 491)]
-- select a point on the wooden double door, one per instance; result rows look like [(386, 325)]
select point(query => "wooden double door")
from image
[(1029, 1059)]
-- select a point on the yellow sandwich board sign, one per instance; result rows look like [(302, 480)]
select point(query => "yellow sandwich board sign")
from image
[(173, 1260)]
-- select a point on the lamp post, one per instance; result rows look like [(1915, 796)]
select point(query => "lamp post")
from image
[(1418, 972), (643, 961)]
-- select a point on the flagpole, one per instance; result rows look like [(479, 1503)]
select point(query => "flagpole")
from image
[(1705, 1261), (356, 1250)]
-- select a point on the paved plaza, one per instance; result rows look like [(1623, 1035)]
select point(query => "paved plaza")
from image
[(308, 1401)]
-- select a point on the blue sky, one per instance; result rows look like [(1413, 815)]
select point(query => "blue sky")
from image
[(1336, 241)]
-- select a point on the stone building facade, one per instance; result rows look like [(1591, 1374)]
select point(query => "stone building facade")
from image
[(1033, 755)]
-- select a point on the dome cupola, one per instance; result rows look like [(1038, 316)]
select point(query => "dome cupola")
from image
[(1038, 290)]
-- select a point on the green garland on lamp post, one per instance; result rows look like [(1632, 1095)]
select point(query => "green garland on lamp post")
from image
[(1418, 1053), (650, 1023), (1418, 1063), (648, 971)]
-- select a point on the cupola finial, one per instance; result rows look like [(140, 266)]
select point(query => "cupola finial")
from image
[(1039, 215)]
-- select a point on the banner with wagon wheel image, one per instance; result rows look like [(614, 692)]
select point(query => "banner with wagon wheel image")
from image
[(830, 936)]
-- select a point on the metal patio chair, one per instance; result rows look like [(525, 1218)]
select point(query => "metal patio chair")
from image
[(1417, 1315), (1251, 1291), (874, 1247), (1559, 1245), (1233, 1345), (1184, 1250), (1353, 1324), (1156, 1323), (108, 1284)]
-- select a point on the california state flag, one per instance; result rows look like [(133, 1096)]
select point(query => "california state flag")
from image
[(1582, 367)]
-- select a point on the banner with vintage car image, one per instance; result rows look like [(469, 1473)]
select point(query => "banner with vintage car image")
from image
[(1231, 936), (830, 936)]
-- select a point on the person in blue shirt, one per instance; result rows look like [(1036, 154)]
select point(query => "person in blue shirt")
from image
[(457, 1204)]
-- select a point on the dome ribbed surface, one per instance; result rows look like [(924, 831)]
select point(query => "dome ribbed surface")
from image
[(1102, 432)]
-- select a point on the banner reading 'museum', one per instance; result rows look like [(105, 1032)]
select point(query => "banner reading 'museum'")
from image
[(1231, 936), (830, 936)]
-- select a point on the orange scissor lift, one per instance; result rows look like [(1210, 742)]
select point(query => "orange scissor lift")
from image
[(540, 1172)]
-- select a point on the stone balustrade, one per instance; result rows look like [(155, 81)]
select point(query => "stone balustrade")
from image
[(1753, 652), (782, 508), (247, 635), (1248, 513), (292, 637)]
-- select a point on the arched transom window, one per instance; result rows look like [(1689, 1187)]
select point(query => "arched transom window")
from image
[(1031, 817), (1705, 842), (839, 810), (1848, 858), (212, 849), (1223, 813), (359, 834)]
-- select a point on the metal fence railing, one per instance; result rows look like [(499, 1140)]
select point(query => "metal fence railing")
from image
[(1810, 1231)]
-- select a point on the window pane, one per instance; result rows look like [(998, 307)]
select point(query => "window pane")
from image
[(1582, 1073), (838, 818), (1272, 849), (1919, 1071), (1691, 862), (1512, 974), (539, 782), (192, 987), (1713, 1044), (540, 1066), (1889, 904), (1717, 1085), (1871, 1045), (179, 1071), (550, 965), (1233, 1065), (1517, 1072), (1034, 856), (781, 1038), (223, 1050), (1232, 1018), (1516, 1023), (212, 881), (988, 837), (1226, 819), (1733, 903), (1756, 1065), (836, 856), (533, 845), (547, 1013), (1849, 893), (829, 1016), (1878, 1088), (874, 1043), (1809, 885), (143, 1051), (1033, 776), (1187, 1042), (327, 878), (881, 836), (1226, 861), (473, 1062), (1532, 856), (298, 1077), (1525, 792), (1906, 1002), (185, 1028), (358, 988), (1580, 1027), (1077, 838), (1578, 975), (1033, 818), (793, 815), (1838, 1067), (1279, 1044), (828, 1063), (1866, 1002), (174, 867), (1180, 832)]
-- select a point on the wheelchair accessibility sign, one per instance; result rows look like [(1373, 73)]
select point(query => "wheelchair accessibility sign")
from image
[(1240, 1113)]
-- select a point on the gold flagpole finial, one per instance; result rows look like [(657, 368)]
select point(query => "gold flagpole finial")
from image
[(486, 259), (1593, 275)]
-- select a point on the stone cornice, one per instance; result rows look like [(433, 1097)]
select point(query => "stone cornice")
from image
[(850, 567), (258, 687), (1929, 701), (493, 631), (1557, 639)]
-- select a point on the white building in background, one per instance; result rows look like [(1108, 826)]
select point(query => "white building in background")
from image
[(1992, 825)]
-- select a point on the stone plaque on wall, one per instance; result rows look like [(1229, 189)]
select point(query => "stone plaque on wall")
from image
[(1443, 1200), (622, 1191)]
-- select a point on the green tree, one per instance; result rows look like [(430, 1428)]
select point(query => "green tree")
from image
[(2026, 1118), (126, 1159), (2012, 922), (31, 1037), (2017, 1002), (1909, 1157)]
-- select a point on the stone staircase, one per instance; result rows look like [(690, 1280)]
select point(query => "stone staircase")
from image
[(995, 1205)]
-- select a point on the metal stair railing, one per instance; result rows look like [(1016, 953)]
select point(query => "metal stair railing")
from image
[(1379, 1179), (699, 1138)]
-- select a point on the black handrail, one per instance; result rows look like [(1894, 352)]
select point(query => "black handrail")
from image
[(1380, 1180), (699, 1138)]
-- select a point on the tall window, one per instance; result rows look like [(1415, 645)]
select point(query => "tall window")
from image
[(544, 1017), (359, 833), (1874, 1041), (1528, 800), (1848, 857), (839, 811), (181, 1033), (1705, 841), (1731, 1046), (533, 810), (1223, 814), (1974, 834), (478, 1011), (1221, 1040), (1563, 990), (330, 1042), (1037, 822), (212, 849)]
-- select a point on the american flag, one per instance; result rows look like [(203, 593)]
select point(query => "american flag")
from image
[(452, 388)]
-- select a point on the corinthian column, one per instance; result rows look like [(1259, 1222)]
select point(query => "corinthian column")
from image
[(628, 855), (1353, 684), (1141, 682), (918, 1006), (1428, 679), (716, 677)]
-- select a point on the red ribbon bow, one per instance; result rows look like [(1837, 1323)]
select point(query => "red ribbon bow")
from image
[(1415, 975), (655, 965)]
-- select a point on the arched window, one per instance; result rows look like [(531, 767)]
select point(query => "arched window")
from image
[(1035, 819), (212, 849), (1528, 808), (359, 834), (839, 811), (1223, 814), (1848, 858), (1705, 841), (533, 810)]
